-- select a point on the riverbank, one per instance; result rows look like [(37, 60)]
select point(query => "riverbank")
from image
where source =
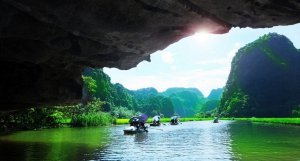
[(289, 121), (185, 119)]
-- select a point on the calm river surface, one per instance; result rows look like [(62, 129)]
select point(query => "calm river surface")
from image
[(203, 140)]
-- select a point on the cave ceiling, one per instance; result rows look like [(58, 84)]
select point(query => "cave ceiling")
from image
[(46, 44)]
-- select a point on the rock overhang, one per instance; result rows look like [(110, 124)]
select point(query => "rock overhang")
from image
[(45, 44)]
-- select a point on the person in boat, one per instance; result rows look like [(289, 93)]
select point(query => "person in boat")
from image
[(174, 120), (139, 121), (143, 120), (134, 121), (156, 120)]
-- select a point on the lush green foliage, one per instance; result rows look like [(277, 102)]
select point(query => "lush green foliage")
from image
[(34, 118), (89, 84), (91, 114), (114, 95), (122, 112), (236, 105), (92, 119)]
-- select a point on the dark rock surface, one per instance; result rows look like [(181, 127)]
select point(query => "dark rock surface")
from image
[(44, 45)]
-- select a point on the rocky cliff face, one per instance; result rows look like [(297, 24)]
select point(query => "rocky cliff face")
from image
[(45, 44), (264, 79)]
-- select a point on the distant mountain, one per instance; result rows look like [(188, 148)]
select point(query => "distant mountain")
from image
[(176, 90), (144, 92), (120, 100), (264, 80), (212, 101), (151, 102), (215, 94), (186, 101)]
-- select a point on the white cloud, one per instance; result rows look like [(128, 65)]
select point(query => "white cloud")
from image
[(226, 61), (207, 74), (167, 57), (201, 79), (211, 73)]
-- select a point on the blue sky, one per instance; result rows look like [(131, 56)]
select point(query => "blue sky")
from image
[(202, 60)]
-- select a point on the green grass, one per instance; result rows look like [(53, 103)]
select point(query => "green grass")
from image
[(185, 119), (92, 119), (122, 121), (291, 121)]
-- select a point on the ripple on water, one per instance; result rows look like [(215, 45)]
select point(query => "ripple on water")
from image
[(188, 141)]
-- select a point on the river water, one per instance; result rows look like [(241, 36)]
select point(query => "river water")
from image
[(198, 140)]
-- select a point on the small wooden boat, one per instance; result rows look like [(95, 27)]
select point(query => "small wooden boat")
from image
[(155, 124), (174, 123), (134, 130), (137, 124), (155, 121)]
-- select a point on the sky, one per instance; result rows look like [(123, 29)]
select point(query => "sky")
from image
[(202, 61)]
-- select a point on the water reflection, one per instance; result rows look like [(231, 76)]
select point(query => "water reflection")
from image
[(262, 141), (141, 137), (54, 144), (227, 140), (188, 141)]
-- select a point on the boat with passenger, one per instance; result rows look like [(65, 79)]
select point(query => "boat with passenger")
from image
[(216, 120), (137, 124), (174, 120), (155, 121)]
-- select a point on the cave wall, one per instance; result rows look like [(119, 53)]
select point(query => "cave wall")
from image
[(44, 45)]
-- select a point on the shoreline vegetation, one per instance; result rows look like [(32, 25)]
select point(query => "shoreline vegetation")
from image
[(287, 121), (104, 119)]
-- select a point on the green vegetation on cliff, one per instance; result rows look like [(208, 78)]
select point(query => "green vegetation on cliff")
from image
[(264, 80)]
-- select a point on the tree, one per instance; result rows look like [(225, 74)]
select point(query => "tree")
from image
[(89, 87)]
